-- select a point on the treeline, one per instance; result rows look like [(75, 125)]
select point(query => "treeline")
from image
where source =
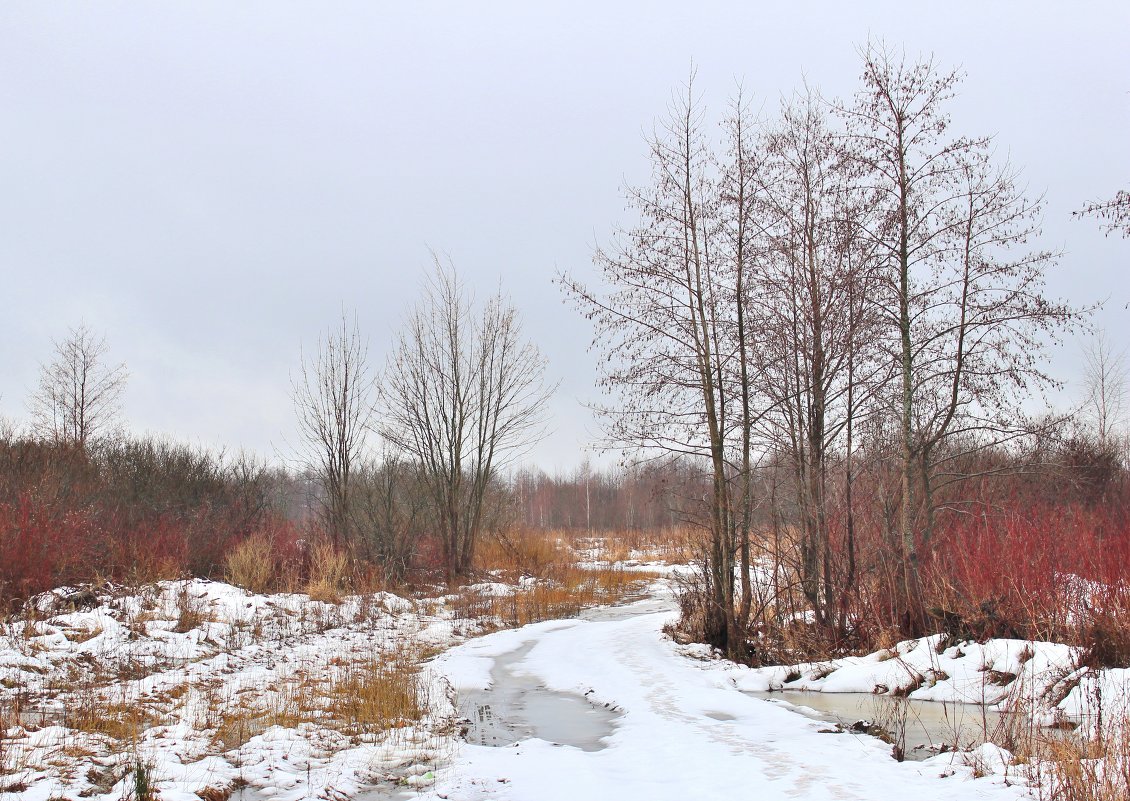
[(649, 497), (126, 509), (397, 468), (1014, 541), (122, 509)]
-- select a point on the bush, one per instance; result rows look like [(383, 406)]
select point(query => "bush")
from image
[(273, 558), (250, 564), (129, 510), (1038, 571), (330, 573)]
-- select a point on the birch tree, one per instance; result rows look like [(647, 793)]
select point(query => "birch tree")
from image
[(333, 399), (1105, 380), (671, 319), (818, 327)]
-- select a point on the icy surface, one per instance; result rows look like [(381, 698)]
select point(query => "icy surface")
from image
[(686, 730)]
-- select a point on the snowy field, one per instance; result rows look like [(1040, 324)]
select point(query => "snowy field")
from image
[(214, 689), (161, 678)]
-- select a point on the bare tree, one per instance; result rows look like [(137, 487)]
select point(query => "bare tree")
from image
[(462, 394), (675, 329), (817, 327), (79, 395), (333, 399), (962, 296), (1105, 377)]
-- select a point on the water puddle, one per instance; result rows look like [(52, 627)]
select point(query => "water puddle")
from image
[(929, 726), (519, 707), (382, 792), (34, 717), (721, 717)]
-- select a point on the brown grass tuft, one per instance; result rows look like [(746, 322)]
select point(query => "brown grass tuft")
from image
[(123, 721), (251, 564), (329, 573), (377, 695)]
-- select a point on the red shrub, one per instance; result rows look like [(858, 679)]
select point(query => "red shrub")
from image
[(1029, 570), (42, 549)]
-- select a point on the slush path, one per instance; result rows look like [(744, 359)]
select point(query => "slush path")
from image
[(683, 730)]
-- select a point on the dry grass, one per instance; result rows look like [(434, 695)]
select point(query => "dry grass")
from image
[(565, 592), (329, 573), (522, 551), (1091, 763), (1091, 769), (379, 693), (120, 720), (536, 552), (251, 564), (237, 726), (676, 545), (292, 701), (190, 612), (10, 782)]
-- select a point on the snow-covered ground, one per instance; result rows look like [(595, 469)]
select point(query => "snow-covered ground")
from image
[(163, 677), (179, 659), (684, 730)]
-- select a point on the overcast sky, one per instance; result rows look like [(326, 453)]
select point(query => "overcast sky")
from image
[(208, 184)]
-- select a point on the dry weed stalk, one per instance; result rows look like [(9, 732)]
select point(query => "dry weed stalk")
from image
[(1086, 769)]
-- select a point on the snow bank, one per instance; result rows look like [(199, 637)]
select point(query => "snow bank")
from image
[(1002, 674)]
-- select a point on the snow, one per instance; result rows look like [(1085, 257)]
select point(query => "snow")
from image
[(1003, 674), (686, 730), (187, 652)]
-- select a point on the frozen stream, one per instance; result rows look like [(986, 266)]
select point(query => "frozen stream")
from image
[(928, 726), (518, 705), (606, 707)]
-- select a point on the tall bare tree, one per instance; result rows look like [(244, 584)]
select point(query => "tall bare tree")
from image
[(79, 395), (333, 398), (819, 331), (673, 324), (462, 394), (962, 292)]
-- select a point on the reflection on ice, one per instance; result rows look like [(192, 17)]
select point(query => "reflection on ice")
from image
[(929, 726)]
